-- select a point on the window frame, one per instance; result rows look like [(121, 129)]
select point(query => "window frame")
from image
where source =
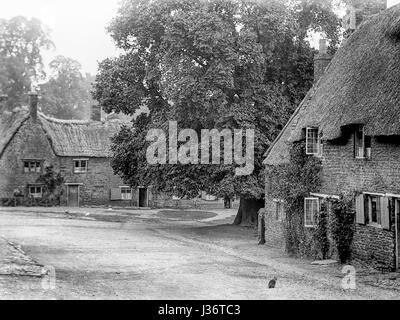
[(31, 194), (361, 144), (32, 166), (314, 214), (318, 148), (123, 190), (368, 207), (80, 161)]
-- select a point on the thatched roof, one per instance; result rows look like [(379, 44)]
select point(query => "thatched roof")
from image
[(80, 138), (68, 138), (10, 122), (360, 86)]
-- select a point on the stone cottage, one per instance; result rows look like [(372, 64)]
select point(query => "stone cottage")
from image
[(79, 150), (351, 121)]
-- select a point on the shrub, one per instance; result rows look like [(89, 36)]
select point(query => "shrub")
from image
[(343, 226)]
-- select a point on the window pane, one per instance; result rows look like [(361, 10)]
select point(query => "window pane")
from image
[(312, 141), (374, 210)]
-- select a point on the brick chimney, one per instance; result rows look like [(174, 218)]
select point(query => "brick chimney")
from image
[(95, 113), (321, 60), (33, 105)]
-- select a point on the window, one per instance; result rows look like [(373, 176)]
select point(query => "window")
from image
[(279, 210), (32, 166), (372, 205), (81, 166), (362, 144), (313, 142), (35, 192), (126, 193), (311, 209)]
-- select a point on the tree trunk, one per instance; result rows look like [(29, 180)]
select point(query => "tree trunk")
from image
[(248, 211)]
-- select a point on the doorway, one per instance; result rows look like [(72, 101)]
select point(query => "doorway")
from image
[(73, 195), (143, 198)]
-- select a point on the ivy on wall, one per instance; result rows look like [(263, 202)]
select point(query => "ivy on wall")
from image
[(342, 226), (292, 182)]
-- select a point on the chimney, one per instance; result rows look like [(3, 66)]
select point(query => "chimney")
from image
[(3, 102), (33, 105), (95, 113), (321, 60)]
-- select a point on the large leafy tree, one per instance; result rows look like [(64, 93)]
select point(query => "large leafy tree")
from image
[(205, 64), (66, 94), (21, 42)]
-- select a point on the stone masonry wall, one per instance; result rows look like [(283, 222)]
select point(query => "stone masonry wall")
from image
[(380, 174), (29, 143), (343, 173)]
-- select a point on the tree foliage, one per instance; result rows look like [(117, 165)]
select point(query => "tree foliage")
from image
[(67, 94), (206, 64), (21, 43)]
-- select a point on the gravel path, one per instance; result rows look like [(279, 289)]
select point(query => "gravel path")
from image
[(137, 255)]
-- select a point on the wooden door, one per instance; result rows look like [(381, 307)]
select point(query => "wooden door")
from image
[(73, 196)]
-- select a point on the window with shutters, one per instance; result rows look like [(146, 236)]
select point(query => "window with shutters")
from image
[(311, 209), (373, 210)]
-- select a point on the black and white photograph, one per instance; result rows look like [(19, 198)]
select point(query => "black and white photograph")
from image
[(199, 151)]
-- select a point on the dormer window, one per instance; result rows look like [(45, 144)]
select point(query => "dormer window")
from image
[(362, 144), (313, 142)]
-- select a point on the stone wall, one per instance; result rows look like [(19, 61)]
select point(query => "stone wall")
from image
[(343, 173), (380, 174), (28, 143), (31, 142), (96, 182)]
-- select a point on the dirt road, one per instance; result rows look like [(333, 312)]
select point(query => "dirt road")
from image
[(148, 255)]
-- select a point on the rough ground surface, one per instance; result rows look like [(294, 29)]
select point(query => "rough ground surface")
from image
[(123, 254)]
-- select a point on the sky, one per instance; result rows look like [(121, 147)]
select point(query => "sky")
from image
[(77, 26)]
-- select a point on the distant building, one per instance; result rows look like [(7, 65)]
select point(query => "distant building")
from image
[(79, 150)]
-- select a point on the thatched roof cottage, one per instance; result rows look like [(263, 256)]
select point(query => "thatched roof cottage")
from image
[(351, 120), (79, 150)]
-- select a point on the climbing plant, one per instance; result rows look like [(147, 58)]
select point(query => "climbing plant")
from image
[(52, 182), (292, 182), (342, 226)]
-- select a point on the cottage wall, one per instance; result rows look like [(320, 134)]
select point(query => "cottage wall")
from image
[(274, 231), (29, 142), (96, 183), (343, 173), (380, 174)]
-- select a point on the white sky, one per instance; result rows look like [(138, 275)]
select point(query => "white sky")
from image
[(77, 26)]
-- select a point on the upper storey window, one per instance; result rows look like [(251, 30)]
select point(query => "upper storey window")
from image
[(362, 144), (32, 166), (313, 142)]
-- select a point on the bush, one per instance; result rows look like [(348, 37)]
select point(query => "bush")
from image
[(343, 226), (293, 182)]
